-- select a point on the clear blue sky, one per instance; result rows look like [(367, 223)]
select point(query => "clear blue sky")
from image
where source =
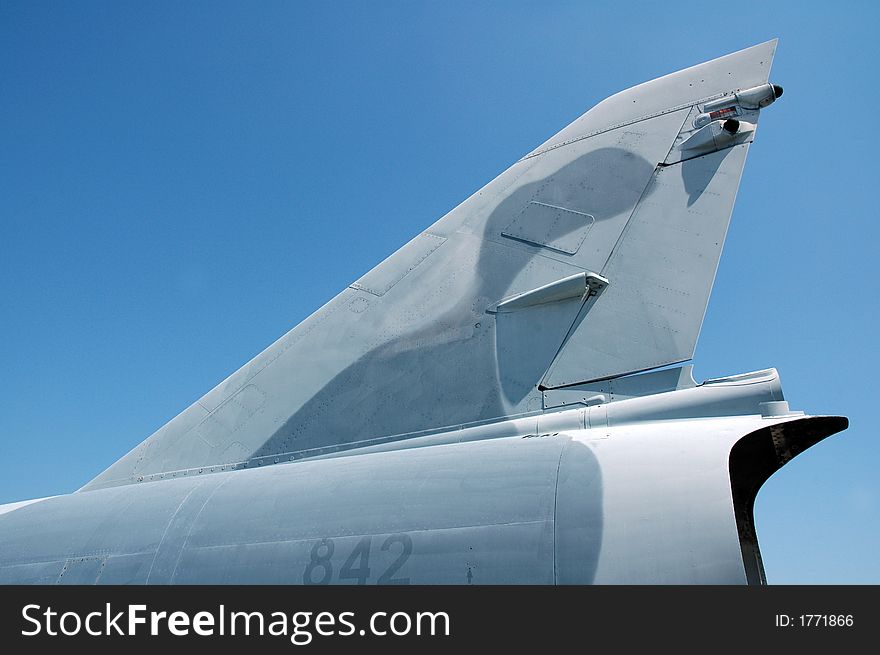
[(181, 183)]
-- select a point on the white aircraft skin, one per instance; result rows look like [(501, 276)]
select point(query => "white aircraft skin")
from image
[(495, 403)]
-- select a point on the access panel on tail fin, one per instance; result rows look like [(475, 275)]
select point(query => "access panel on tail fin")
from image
[(606, 234)]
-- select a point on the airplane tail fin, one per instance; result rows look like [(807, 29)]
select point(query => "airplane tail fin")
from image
[(591, 258)]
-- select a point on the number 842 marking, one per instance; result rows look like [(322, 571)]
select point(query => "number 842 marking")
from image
[(319, 570)]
